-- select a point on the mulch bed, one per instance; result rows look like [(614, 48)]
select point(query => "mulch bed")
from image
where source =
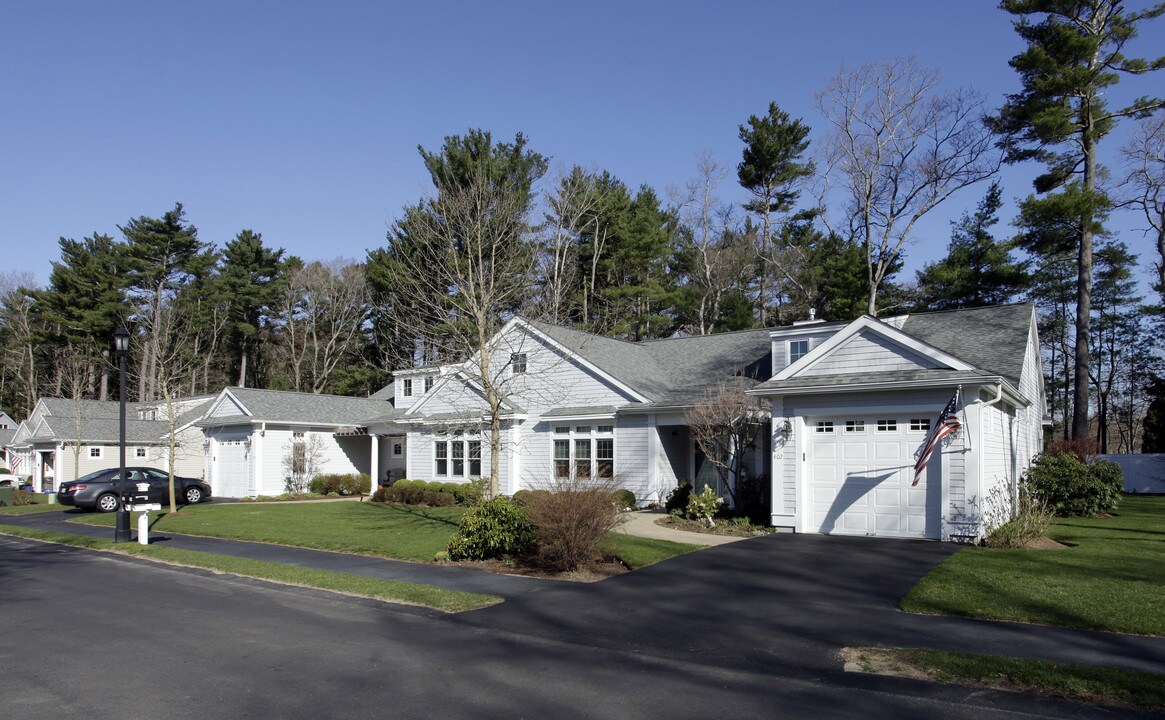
[(597, 569), (723, 527)]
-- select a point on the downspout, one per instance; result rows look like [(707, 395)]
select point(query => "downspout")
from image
[(1013, 485)]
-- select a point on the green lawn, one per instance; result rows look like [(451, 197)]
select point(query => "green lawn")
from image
[(1104, 686), (640, 552), (1112, 578), (402, 532), (391, 590), (26, 509)]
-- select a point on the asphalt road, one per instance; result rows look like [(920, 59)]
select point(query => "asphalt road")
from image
[(98, 636)]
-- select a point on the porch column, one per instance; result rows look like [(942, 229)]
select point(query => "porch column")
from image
[(374, 462), (653, 450), (515, 483)]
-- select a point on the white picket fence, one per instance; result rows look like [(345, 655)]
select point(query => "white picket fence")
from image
[(1143, 473)]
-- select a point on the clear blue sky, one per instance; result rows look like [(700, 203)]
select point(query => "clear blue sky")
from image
[(301, 120)]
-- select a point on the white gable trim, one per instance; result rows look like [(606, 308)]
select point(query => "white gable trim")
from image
[(872, 324), (223, 397)]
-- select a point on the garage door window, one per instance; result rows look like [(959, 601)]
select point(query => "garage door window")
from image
[(824, 426), (855, 425), (887, 426), (919, 425)]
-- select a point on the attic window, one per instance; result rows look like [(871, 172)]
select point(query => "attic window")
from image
[(797, 350), (428, 383), (518, 363), (408, 388), (94, 452)]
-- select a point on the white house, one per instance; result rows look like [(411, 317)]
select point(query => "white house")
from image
[(64, 439), (252, 437), (851, 404)]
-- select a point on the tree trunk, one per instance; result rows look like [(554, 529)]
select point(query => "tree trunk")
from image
[(1084, 295)]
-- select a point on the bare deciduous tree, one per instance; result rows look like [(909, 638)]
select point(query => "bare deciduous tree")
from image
[(1144, 157), (463, 256), (717, 264), (899, 148), (323, 315), (725, 425)]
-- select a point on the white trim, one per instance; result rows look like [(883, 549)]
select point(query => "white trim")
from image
[(572, 418), (877, 327)]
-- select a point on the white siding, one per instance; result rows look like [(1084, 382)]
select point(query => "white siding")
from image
[(780, 352), (869, 350)]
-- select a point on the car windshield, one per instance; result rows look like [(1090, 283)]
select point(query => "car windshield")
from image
[(92, 476)]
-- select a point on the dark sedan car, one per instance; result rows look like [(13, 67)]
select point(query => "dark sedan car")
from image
[(98, 490)]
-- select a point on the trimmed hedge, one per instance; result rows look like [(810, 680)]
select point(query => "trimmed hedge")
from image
[(462, 493), (350, 484)]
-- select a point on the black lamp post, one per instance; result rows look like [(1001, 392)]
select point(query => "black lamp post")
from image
[(121, 342)]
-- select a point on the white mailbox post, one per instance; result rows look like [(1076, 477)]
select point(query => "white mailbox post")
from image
[(143, 511)]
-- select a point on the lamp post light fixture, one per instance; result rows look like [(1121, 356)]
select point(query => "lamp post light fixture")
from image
[(121, 344)]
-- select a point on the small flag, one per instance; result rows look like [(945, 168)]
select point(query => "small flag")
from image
[(948, 422)]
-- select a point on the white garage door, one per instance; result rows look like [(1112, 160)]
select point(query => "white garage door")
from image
[(860, 474), (232, 469)]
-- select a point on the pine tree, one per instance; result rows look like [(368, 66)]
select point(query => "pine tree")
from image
[(1074, 56), (978, 270)]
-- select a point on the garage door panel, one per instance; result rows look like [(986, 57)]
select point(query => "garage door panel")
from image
[(860, 482)]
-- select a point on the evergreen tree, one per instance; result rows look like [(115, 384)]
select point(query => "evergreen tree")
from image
[(1153, 426), (978, 270), (249, 285), (1074, 56), (771, 169)]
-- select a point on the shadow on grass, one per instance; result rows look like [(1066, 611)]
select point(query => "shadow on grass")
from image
[(415, 511)]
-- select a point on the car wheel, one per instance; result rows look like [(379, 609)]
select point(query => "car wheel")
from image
[(193, 495), (107, 503)]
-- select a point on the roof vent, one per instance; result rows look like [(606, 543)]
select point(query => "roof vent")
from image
[(812, 318)]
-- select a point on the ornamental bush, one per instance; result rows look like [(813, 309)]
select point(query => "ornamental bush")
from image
[(494, 528), (572, 520), (625, 499), (703, 507), (1069, 487)]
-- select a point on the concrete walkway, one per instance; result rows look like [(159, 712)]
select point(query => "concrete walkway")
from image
[(641, 523)]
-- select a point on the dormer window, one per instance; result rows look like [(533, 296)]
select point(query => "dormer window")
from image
[(407, 389), (428, 383), (518, 363), (797, 350)]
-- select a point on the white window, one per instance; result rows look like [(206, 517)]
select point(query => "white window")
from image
[(139, 452), (428, 383), (855, 425), (457, 458), (398, 449), (824, 426), (407, 389), (94, 452), (887, 426), (919, 424), (518, 363), (589, 452), (797, 350)]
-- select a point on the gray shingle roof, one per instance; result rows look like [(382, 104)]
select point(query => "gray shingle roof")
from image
[(993, 340), (99, 430), (283, 406), (667, 370)]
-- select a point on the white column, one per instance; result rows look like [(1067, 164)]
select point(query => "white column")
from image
[(653, 451), (374, 461), (515, 483), (257, 459)]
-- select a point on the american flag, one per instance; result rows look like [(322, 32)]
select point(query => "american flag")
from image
[(15, 463), (948, 422)]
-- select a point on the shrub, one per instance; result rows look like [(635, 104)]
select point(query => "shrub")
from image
[(1016, 527), (1071, 488), (23, 497), (494, 528), (625, 499), (437, 499), (523, 497), (703, 507), (677, 499), (355, 484), (1081, 448), (571, 521)]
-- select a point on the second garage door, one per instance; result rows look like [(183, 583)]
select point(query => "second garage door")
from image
[(860, 470)]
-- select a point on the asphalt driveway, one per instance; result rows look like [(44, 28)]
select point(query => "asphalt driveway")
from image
[(782, 601)]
